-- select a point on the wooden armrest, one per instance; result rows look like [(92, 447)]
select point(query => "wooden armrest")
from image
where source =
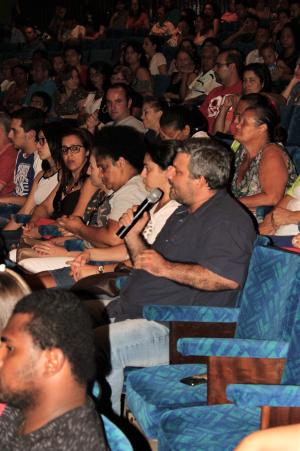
[(239, 370), (185, 329), (279, 416)]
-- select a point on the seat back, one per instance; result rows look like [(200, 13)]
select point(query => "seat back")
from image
[(291, 373), (269, 299)]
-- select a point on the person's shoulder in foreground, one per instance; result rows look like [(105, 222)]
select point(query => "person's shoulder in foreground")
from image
[(46, 361)]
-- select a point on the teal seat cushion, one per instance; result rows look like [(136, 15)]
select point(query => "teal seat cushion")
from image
[(155, 390), (207, 428)]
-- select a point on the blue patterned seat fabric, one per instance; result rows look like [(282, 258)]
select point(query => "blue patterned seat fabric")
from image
[(206, 428), (221, 427), (268, 304)]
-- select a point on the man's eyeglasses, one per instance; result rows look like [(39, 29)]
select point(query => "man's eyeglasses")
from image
[(75, 148), (41, 141), (221, 64)]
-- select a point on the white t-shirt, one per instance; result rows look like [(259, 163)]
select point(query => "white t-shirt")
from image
[(129, 121), (132, 193), (158, 220), (45, 187), (293, 205), (157, 60)]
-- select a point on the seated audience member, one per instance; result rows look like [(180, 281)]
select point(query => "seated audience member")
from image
[(184, 30), (8, 157), (156, 60), (228, 70), (153, 108), (230, 15), (76, 145), (32, 41), (67, 101), (211, 14), (279, 20), (189, 269), (41, 80), (157, 166), (180, 122), (14, 98), (245, 34), (42, 101), (262, 36), (256, 78), (276, 438), (98, 76), (186, 73), (295, 10), (57, 22), (120, 74), (206, 80), (47, 406), (261, 9), (24, 125), (202, 30), (283, 220), (263, 170), (120, 167), (118, 100), (12, 289), (58, 65), (73, 58), (135, 59), (269, 55), (6, 75), (292, 91), (290, 44), (137, 17), (163, 26), (48, 143), (119, 18)]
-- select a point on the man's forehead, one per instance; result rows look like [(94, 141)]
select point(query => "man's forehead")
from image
[(16, 123), (16, 325), (181, 160), (117, 93)]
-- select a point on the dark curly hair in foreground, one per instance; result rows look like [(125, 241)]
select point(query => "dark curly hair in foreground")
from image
[(59, 320)]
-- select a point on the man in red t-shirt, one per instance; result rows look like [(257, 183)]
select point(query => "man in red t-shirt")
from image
[(228, 68), (8, 155)]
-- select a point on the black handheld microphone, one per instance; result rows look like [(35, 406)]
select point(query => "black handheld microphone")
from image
[(150, 200)]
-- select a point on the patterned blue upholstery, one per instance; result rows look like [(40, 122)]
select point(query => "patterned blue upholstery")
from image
[(116, 439), (190, 313), (155, 390), (206, 428), (264, 395), (223, 428), (267, 311), (232, 347)]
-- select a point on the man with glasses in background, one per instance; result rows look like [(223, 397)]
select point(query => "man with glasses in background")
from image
[(228, 70)]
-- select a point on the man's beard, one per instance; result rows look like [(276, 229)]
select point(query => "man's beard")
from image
[(174, 196), (23, 399)]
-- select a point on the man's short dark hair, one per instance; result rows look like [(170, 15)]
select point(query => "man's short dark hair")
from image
[(60, 320), (208, 159), (32, 118), (121, 141)]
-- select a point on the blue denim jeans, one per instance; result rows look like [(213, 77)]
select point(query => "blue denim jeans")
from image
[(133, 342)]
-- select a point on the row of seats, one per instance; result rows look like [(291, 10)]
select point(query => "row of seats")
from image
[(264, 350)]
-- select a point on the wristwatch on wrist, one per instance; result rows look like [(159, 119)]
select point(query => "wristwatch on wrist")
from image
[(101, 269)]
